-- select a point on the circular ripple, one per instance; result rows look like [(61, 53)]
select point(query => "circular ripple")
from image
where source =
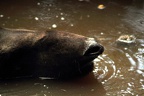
[(104, 68)]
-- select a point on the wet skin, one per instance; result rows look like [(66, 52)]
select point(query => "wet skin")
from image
[(46, 54)]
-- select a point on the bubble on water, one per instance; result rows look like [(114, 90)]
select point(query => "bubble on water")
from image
[(125, 48), (8, 17), (44, 85), (16, 20), (71, 25), (60, 9), (1, 15), (103, 82), (119, 32), (57, 16), (62, 18), (3, 24), (92, 90), (61, 13), (54, 26), (88, 16), (36, 18), (50, 5), (38, 3), (48, 9), (101, 33)]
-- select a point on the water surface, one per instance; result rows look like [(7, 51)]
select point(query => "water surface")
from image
[(118, 72)]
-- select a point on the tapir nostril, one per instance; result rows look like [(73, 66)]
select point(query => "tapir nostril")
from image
[(94, 50)]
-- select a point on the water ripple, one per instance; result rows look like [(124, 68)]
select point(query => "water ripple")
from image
[(104, 68)]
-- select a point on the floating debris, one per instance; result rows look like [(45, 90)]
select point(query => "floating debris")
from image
[(127, 39), (101, 6)]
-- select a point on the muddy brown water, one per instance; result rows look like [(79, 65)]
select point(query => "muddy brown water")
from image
[(119, 71)]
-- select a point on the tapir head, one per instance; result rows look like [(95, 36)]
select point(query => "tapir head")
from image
[(63, 54)]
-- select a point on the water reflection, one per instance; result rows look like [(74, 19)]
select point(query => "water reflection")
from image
[(140, 61), (36, 87)]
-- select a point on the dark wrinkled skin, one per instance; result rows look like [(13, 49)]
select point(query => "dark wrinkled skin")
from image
[(43, 54)]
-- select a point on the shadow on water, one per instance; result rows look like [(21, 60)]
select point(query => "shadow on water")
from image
[(86, 86), (118, 72)]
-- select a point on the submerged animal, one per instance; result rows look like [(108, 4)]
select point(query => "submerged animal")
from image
[(46, 53)]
